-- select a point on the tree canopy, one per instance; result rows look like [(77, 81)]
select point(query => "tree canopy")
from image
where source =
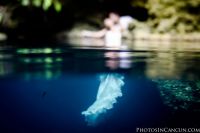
[(162, 16)]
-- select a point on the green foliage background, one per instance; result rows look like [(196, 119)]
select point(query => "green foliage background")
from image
[(174, 15), (44, 4), (163, 16)]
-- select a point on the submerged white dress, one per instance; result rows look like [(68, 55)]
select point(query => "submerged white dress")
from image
[(109, 90)]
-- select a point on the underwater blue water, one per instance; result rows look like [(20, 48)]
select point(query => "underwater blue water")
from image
[(47, 93), (57, 104)]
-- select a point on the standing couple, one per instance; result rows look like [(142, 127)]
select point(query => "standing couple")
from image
[(114, 25)]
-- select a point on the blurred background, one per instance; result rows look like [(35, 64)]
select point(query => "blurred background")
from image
[(44, 19), (45, 64)]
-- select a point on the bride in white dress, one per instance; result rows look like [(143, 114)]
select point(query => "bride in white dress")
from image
[(113, 36), (111, 33)]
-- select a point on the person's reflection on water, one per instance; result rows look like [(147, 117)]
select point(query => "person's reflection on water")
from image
[(117, 59)]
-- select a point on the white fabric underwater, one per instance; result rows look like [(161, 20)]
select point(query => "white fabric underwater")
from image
[(109, 90)]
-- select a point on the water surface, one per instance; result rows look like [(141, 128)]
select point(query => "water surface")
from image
[(46, 89)]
